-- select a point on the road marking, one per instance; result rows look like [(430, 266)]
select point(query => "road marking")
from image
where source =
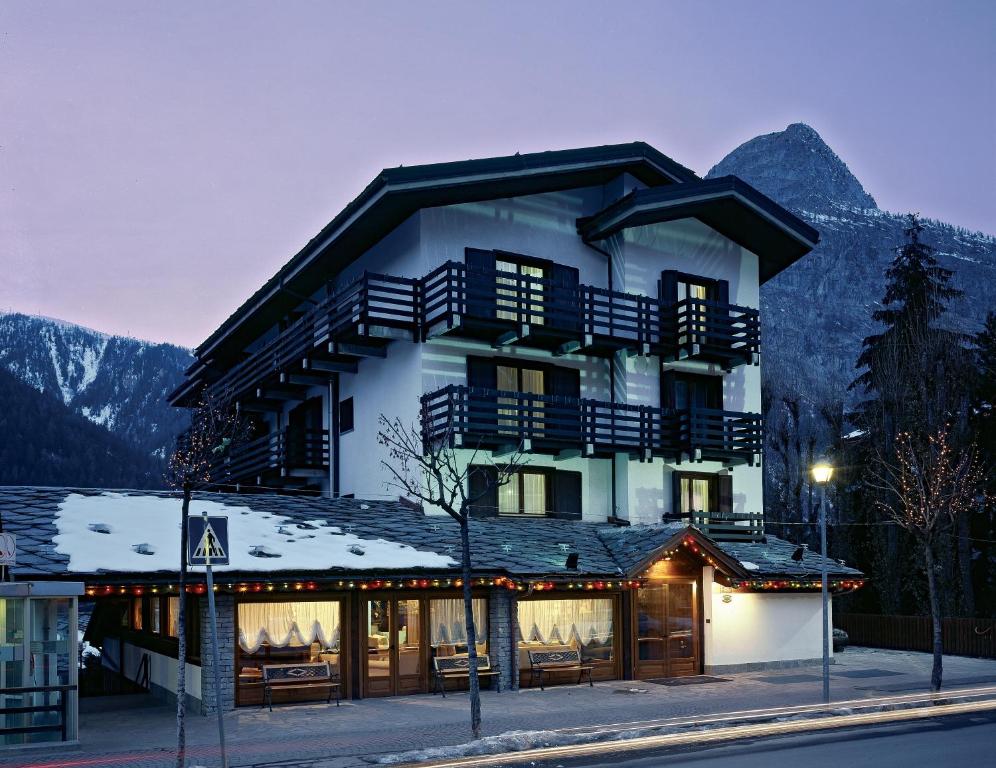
[(716, 735)]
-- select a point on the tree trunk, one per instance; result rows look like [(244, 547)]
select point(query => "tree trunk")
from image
[(965, 565), (935, 617), (468, 610), (181, 631)]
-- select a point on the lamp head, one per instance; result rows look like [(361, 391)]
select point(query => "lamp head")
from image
[(822, 472)]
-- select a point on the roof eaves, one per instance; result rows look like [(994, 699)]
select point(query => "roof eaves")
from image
[(446, 175)]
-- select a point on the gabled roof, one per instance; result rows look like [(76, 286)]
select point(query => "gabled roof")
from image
[(62, 532), (728, 204), (396, 193)]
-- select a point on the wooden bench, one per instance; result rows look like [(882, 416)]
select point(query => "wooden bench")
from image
[(303, 675), (447, 667), (542, 662)]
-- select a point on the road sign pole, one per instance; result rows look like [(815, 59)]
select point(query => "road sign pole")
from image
[(215, 656)]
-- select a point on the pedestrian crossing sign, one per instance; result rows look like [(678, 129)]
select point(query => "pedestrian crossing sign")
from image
[(207, 541)]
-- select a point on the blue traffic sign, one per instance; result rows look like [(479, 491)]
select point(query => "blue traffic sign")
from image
[(207, 541)]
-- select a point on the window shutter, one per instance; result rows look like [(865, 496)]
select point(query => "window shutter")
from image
[(723, 291), (724, 485), (676, 494), (567, 495), (478, 260), (669, 286), (478, 481), (565, 382), (669, 381), (482, 373), (566, 302), (481, 294)]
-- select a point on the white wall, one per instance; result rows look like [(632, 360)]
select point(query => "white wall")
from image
[(391, 386), (759, 628), (162, 670)]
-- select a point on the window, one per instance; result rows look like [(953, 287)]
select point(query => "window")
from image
[(448, 626), (585, 624), (554, 493), (524, 494), (517, 379), (519, 288), (173, 616), (693, 294), (286, 632), (155, 623), (689, 391), (699, 492), (346, 416), (137, 614)]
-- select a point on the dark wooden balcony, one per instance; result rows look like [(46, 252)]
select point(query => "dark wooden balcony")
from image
[(285, 458), (505, 308), (331, 337), (501, 308), (725, 526), (500, 420), (711, 331)]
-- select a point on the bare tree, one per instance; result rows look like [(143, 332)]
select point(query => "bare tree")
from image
[(197, 462), (928, 486), (427, 468)]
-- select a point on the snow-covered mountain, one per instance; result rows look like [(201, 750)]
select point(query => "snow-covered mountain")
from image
[(815, 314), (116, 382)]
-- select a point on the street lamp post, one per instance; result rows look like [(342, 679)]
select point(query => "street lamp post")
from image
[(822, 473)]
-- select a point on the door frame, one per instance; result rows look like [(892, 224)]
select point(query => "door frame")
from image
[(664, 668)]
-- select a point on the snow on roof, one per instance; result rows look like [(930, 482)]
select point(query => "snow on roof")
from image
[(140, 534)]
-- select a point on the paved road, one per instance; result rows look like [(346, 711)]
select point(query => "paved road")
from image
[(963, 740)]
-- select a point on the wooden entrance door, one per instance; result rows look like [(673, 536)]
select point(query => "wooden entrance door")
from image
[(665, 631), (396, 649)]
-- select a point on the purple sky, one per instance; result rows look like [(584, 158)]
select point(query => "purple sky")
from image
[(159, 161)]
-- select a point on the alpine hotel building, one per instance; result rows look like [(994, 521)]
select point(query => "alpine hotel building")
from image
[(598, 307)]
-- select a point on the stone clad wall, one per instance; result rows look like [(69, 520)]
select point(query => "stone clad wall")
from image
[(502, 632), (225, 605)]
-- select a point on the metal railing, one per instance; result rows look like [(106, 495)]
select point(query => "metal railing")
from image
[(496, 417), (61, 708)]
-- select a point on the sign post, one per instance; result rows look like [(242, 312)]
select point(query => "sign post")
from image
[(208, 544)]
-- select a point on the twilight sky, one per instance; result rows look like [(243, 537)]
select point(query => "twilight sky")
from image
[(159, 161)]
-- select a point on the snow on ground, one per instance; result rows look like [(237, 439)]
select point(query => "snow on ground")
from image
[(136, 534)]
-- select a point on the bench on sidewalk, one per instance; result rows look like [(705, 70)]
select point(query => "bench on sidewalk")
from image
[(447, 667), (544, 662), (315, 675)]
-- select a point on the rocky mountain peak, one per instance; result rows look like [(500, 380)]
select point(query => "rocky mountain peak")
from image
[(796, 168)]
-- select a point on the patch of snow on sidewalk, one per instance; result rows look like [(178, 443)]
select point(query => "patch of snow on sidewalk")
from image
[(105, 533)]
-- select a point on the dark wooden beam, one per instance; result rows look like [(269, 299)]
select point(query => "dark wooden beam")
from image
[(329, 366), (304, 379), (280, 393), (258, 406), (356, 350)]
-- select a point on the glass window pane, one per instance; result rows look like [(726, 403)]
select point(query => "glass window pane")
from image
[(685, 496), (378, 639), (533, 493), (508, 381), (173, 617), (532, 381), (534, 293), (700, 494), (448, 626), (584, 624), (508, 497), (154, 616), (507, 290), (136, 613), (650, 622), (409, 640)]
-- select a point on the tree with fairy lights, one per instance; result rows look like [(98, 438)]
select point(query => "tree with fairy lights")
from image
[(426, 465), (197, 463), (929, 486)]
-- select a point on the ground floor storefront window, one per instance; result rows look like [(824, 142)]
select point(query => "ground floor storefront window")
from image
[(587, 625), (284, 632)]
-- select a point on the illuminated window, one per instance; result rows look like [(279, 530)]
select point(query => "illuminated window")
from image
[(173, 617), (136, 613), (155, 618)]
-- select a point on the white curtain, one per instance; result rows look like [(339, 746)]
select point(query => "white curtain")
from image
[(558, 621), (282, 624), (448, 624)]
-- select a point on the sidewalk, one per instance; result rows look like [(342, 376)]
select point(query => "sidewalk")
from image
[(133, 731)]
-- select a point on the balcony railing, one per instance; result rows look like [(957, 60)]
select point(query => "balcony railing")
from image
[(286, 453), (725, 526), (368, 310), (710, 330), (500, 308), (495, 418)]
